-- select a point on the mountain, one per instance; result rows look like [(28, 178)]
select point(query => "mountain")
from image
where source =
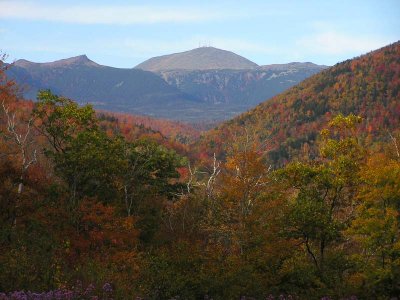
[(85, 81), (203, 58), (290, 122), (82, 60), (291, 66), (195, 95), (241, 89), (225, 80)]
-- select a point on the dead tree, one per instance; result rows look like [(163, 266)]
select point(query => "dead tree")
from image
[(209, 183), (394, 140), (21, 136)]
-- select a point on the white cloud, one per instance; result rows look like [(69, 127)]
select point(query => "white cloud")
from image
[(103, 14), (335, 43)]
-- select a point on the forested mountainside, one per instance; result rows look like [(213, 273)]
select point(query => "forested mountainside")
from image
[(182, 132), (94, 207), (290, 122), (196, 95)]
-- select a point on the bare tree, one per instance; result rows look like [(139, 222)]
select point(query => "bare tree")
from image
[(212, 174), (216, 169), (21, 136), (394, 140)]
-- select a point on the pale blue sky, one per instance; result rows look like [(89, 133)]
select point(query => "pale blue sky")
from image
[(124, 33)]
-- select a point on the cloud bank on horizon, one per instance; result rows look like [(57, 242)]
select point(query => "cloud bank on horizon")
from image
[(125, 33)]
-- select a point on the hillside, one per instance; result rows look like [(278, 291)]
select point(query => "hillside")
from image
[(181, 132), (368, 86), (117, 207), (203, 58), (109, 88)]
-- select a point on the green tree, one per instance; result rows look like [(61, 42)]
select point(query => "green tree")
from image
[(60, 119), (148, 175), (149, 168), (83, 155), (90, 165), (321, 198)]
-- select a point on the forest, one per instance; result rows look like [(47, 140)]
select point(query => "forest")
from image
[(95, 207), (367, 86)]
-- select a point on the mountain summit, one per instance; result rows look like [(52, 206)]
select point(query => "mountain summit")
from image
[(203, 58), (223, 85), (76, 60)]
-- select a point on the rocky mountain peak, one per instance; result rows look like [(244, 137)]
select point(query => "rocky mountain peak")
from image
[(202, 58), (76, 60)]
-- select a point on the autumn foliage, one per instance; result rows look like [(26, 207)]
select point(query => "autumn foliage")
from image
[(92, 198), (367, 86)]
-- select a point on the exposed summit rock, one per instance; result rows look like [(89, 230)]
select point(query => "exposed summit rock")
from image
[(203, 58)]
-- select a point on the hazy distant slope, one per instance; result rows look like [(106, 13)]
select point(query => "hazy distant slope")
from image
[(203, 58), (246, 88), (290, 122), (184, 95), (291, 66), (67, 62), (85, 81)]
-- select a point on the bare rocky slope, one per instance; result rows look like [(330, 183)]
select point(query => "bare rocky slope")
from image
[(203, 58)]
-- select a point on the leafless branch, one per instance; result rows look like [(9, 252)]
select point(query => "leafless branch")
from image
[(21, 140), (394, 140), (211, 180)]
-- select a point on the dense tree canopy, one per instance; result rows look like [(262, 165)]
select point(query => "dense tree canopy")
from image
[(86, 199)]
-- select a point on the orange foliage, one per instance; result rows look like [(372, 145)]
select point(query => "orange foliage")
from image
[(368, 86)]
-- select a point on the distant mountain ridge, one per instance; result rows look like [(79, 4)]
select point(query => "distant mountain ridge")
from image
[(76, 60), (233, 85), (218, 77), (241, 88), (85, 81), (292, 65)]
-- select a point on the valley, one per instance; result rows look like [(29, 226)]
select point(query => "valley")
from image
[(263, 164)]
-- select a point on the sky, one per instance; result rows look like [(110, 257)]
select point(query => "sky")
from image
[(124, 33)]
